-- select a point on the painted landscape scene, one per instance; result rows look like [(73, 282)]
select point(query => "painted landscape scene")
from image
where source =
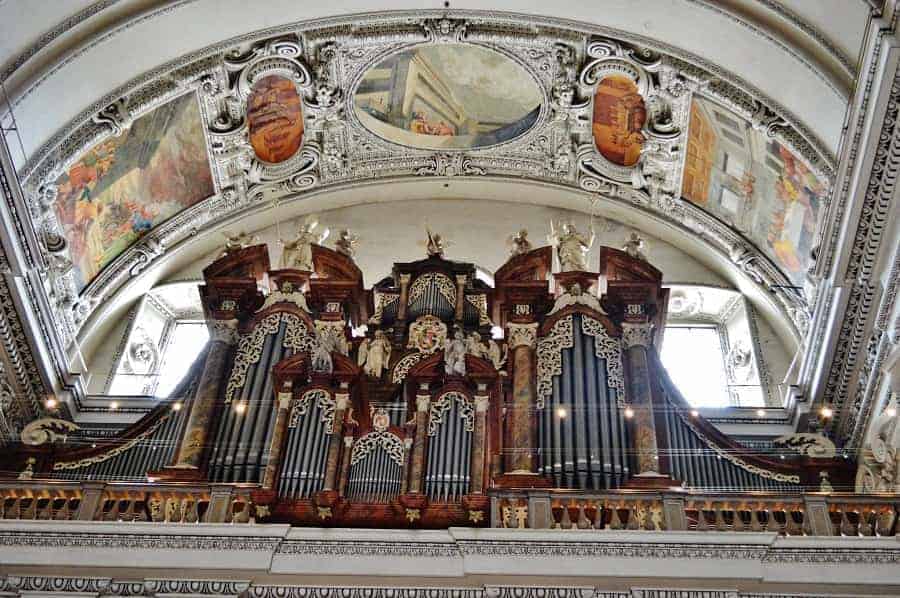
[(447, 96), (127, 185), (753, 183)]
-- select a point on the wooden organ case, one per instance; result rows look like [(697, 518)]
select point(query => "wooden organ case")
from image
[(395, 407)]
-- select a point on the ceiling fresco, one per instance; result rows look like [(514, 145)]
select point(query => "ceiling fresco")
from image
[(123, 187), (619, 116), (448, 96), (753, 183)]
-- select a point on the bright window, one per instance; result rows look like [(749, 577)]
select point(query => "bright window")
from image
[(692, 355), (185, 345)]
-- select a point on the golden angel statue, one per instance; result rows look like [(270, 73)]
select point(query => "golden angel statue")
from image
[(518, 243), (374, 355), (297, 254), (434, 243), (571, 246)]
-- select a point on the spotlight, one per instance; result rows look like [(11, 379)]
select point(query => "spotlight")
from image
[(240, 408), (891, 412), (561, 413), (114, 405), (176, 406), (826, 412), (629, 412), (695, 413), (50, 403), (760, 412)]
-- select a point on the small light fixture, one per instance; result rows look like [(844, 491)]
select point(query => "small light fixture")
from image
[(93, 445), (176, 406), (782, 456), (114, 405), (629, 412), (826, 412), (891, 412), (50, 403), (695, 413), (561, 413), (760, 412), (240, 408)]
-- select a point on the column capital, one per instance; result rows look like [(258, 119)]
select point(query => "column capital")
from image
[(521, 334), (341, 400), (284, 400), (422, 402), (405, 278), (223, 331), (481, 404), (637, 335)]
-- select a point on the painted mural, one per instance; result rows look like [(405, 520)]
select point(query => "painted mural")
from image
[(275, 119), (619, 115), (753, 183), (447, 96), (125, 186)]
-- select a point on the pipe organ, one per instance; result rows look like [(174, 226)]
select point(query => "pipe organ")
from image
[(400, 405)]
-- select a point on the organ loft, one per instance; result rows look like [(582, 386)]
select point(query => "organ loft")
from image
[(431, 400)]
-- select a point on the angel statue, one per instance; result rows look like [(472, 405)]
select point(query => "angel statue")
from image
[(455, 355), (374, 355), (434, 243), (297, 254), (634, 246), (475, 347), (518, 243), (321, 357), (236, 242), (571, 246), (496, 354), (346, 243)]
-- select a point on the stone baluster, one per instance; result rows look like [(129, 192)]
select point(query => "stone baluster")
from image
[(423, 403), (522, 339), (342, 401), (476, 470), (196, 433)]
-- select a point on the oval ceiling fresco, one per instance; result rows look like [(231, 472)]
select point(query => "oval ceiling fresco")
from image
[(447, 96), (619, 116), (275, 119)]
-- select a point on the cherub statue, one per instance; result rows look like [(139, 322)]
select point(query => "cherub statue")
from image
[(297, 254), (239, 241), (455, 355), (634, 246), (496, 354), (346, 243), (571, 246), (475, 347), (519, 243), (374, 355), (321, 357), (434, 244)]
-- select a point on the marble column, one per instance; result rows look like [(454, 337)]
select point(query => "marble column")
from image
[(281, 418), (476, 469), (522, 339), (636, 339), (342, 401), (223, 334), (423, 403), (460, 298), (345, 465)]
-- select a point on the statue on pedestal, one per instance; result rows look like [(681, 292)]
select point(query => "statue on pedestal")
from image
[(434, 244), (455, 355), (519, 243), (297, 254), (374, 355), (571, 246), (346, 243)]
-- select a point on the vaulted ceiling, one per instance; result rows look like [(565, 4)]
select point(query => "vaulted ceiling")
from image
[(138, 132)]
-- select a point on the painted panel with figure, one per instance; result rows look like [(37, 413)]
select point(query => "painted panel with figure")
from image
[(619, 115), (275, 119), (124, 186), (754, 184), (447, 96)]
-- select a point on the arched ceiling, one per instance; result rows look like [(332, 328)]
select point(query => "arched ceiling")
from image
[(119, 84)]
